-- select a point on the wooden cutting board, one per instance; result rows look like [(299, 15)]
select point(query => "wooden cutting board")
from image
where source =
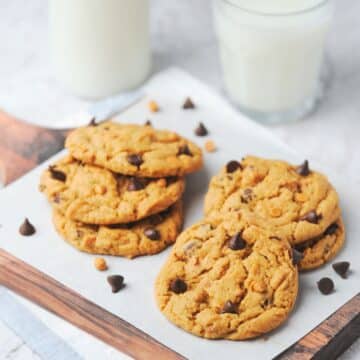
[(22, 147)]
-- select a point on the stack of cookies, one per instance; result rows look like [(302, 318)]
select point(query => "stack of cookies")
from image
[(234, 275), (118, 191)]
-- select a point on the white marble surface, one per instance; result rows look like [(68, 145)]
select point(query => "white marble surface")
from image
[(182, 35)]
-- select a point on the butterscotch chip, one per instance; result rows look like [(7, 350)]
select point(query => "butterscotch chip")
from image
[(275, 212), (153, 106), (210, 146), (100, 264)]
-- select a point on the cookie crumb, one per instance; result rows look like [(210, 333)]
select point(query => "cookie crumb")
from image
[(153, 106), (100, 264), (210, 146)]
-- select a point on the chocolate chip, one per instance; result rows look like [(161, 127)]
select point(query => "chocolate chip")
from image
[(237, 242), (246, 196), (26, 228), (148, 123), (331, 230), (341, 268), (303, 169), (157, 219), (178, 286), (135, 159), (201, 130), (57, 199), (184, 150), (232, 166), (311, 217), (116, 282), (325, 285), (297, 256), (135, 184), (57, 174), (152, 234), (93, 122), (188, 104), (171, 180), (229, 307)]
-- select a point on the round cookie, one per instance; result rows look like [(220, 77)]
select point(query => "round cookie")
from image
[(135, 150), (145, 237), (293, 202), (318, 251), (94, 195), (217, 283)]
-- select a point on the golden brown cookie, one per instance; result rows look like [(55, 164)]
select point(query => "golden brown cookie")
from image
[(218, 283), (145, 237), (294, 202), (135, 150), (94, 195), (320, 250)]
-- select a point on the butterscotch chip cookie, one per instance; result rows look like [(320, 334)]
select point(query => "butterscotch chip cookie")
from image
[(94, 195), (220, 283), (320, 250), (145, 237), (295, 202), (135, 150)]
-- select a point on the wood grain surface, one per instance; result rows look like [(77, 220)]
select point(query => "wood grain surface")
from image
[(60, 300), (22, 147)]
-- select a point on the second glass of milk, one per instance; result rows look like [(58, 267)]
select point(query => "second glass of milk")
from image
[(100, 47), (272, 54)]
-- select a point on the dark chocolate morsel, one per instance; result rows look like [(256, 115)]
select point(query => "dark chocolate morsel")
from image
[(232, 166), (341, 268), (229, 307), (57, 174), (26, 228), (152, 234), (297, 256), (184, 150), (311, 217), (236, 242), (303, 169), (135, 159), (201, 130), (188, 104), (116, 282), (325, 285), (178, 286)]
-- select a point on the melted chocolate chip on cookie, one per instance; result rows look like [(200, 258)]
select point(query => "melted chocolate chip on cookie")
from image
[(236, 242), (232, 166), (135, 159), (303, 169), (57, 174), (311, 217), (178, 286), (184, 150), (135, 184), (152, 234), (229, 308)]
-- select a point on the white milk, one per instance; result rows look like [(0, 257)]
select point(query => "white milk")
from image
[(100, 47), (271, 61)]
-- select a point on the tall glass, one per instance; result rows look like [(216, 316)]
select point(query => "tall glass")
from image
[(272, 54)]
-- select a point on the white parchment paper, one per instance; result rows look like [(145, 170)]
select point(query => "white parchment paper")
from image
[(234, 136)]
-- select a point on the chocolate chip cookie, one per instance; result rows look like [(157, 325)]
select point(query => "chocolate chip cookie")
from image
[(294, 202), (135, 150), (221, 281), (94, 195), (145, 237)]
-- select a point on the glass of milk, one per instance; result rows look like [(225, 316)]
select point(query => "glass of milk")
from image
[(272, 54), (100, 47)]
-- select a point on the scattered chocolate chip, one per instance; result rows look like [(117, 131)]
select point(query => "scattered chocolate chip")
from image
[(297, 256), (135, 159), (325, 285), (303, 169), (57, 174), (341, 268), (311, 217), (188, 104), (135, 184), (331, 230), (232, 166), (148, 123), (246, 196), (201, 130), (184, 150), (178, 286), (229, 307), (116, 282), (237, 242), (26, 228), (152, 234)]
